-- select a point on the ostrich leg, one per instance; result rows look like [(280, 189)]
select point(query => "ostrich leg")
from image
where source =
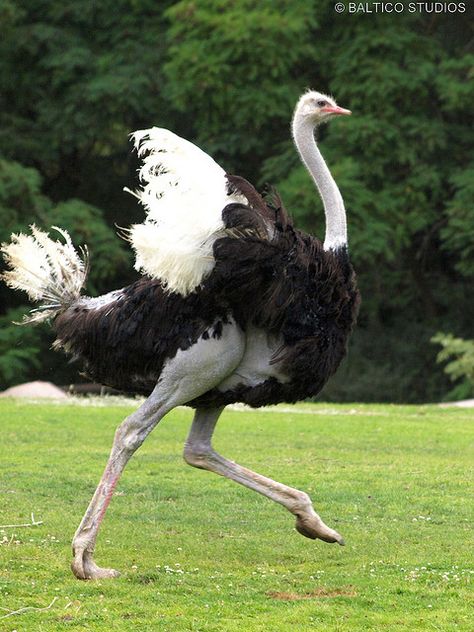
[(199, 453), (186, 376), (128, 438)]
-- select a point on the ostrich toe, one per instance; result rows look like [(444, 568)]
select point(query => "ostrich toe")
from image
[(84, 567), (314, 528)]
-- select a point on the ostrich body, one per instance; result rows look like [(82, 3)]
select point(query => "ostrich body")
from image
[(237, 306)]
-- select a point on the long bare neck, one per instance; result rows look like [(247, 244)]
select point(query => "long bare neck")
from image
[(336, 228)]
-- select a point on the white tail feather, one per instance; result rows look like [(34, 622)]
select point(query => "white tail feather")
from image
[(50, 272), (184, 192)]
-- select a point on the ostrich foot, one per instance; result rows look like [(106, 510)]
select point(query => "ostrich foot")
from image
[(84, 567), (311, 526)]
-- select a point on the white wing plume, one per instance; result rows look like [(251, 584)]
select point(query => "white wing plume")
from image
[(184, 192)]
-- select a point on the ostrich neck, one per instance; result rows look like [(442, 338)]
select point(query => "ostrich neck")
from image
[(336, 230)]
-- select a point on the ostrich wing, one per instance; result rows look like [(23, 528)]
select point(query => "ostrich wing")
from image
[(184, 192)]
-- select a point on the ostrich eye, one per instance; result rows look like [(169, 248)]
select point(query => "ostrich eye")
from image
[(321, 103)]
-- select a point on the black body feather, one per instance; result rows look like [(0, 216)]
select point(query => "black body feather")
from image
[(267, 273)]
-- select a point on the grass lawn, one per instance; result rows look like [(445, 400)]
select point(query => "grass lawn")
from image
[(198, 552)]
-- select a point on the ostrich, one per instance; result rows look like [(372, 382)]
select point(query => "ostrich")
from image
[(234, 305)]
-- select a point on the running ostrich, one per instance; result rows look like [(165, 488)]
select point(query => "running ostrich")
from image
[(234, 305)]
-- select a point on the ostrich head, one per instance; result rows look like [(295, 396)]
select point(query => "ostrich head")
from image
[(317, 108)]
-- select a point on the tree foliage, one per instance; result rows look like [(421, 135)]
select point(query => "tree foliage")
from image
[(227, 75), (19, 348), (460, 367)]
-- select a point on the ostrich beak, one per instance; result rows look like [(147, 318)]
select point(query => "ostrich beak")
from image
[(335, 109)]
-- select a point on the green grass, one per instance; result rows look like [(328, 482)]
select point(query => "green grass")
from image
[(198, 552)]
